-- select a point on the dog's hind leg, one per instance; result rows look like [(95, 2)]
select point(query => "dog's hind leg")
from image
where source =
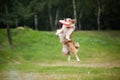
[(76, 55), (69, 57), (66, 51), (77, 58), (74, 50), (68, 54)]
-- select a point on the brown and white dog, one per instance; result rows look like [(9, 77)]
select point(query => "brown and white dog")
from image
[(68, 26)]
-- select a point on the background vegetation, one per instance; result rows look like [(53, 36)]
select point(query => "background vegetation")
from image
[(44, 14)]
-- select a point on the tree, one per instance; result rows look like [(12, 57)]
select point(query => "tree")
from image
[(91, 14), (36, 6), (6, 17), (87, 13), (75, 13), (50, 14), (8, 27), (53, 6), (99, 14), (21, 12)]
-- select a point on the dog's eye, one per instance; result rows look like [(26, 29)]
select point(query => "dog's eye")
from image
[(69, 20)]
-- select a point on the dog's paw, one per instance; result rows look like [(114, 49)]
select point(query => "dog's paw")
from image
[(68, 58), (78, 60)]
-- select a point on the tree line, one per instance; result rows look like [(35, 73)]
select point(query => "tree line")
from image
[(44, 14)]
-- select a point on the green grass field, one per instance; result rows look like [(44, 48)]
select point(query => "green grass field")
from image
[(36, 55)]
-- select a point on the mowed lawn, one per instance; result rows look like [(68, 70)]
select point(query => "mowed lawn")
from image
[(36, 55)]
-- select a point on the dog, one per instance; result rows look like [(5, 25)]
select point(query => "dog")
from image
[(65, 38), (68, 27)]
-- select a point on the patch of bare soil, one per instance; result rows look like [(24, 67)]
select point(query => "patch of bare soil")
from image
[(79, 64), (16, 75)]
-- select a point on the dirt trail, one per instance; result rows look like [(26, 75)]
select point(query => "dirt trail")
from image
[(17, 75), (79, 64)]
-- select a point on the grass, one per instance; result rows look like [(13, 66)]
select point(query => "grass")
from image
[(59, 72), (36, 55)]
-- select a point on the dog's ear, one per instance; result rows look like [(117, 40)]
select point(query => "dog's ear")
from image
[(74, 21)]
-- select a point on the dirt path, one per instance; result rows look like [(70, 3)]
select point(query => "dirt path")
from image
[(79, 64), (17, 75)]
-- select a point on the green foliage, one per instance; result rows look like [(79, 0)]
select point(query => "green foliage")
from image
[(23, 11)]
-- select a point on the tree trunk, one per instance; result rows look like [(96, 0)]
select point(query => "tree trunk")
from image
[(8, 27), (9, 35), (56, 18), (75, 13), (50, 16), (16, 22), (79, 24), (36, 21), (99, 12)]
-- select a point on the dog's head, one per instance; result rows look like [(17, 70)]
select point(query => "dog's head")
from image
[(67, 21), (70, 21)]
